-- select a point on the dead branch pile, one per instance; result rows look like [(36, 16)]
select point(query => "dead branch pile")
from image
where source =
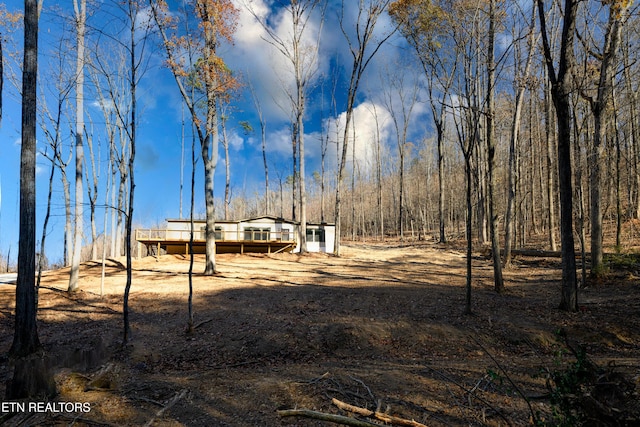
[(358, 415)]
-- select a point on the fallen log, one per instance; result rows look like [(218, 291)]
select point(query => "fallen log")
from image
[(389, 419)]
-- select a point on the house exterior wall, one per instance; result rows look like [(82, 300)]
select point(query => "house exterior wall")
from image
[(320, 237), (180, 229)]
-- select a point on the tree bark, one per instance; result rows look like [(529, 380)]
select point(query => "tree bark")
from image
[(599, 108), (80, 16), (513, 144), (25, 338), (491, 153), (561, 88), (31, 376)]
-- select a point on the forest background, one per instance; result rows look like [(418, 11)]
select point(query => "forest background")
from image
[(451, 87)]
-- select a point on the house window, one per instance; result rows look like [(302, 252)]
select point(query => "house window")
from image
[(219, 233), (253, 233), (315, 235), (285, 234)]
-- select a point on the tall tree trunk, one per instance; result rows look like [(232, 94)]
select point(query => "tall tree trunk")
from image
[(365, 25), (561, 88), (68, 229), (550, 190), (190, 326), (31, 378), (263, 138), (469, 226), (515, 134), (294, 175), (617, 17), (133, 82), (45, 224), (209, 153), (580, 195), (92, 194), (114, 212), (301, 83), (227, 168), (80, 16), (441, 187), (618, 177), (491, 152)]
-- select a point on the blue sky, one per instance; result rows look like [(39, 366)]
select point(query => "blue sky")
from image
[(160, 112)]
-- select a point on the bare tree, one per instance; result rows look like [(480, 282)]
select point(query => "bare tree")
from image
[(301, 50), (263, 140), (427, 26), (618, 14), (80, 10), (400, 99), (491, 148), (363, 46), (521, 81), (217, 21), (561, 89), (92, 192), (224, 116), (63, 87)]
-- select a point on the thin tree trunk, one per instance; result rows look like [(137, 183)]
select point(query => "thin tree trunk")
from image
[(551, 193), (617, 16), (68, 232), (365, 25), (577, 155), (181, 156), (469, 231), (92, 194), (41, 257), (491, 151), (227, 168), (132, 184), (515, 133), (190, 326), (618, 178)]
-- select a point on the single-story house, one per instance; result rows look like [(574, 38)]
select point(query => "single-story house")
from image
[(266, 234)]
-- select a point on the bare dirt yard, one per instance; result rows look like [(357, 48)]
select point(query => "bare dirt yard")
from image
[(381, 328)]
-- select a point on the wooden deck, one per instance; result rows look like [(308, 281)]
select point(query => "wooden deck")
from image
[(177, 242)]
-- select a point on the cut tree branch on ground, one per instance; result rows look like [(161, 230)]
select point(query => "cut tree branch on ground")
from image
[(168, 406), (339, 419), (389, 419), (204, 322)]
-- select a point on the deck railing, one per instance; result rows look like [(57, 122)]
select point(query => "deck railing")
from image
[(258, 235)]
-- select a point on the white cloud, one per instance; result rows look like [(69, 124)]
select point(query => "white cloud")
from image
[(371, 123), (265, 66), (236, 141)]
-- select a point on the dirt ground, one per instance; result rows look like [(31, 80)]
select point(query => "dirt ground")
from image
[(381, 327)]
